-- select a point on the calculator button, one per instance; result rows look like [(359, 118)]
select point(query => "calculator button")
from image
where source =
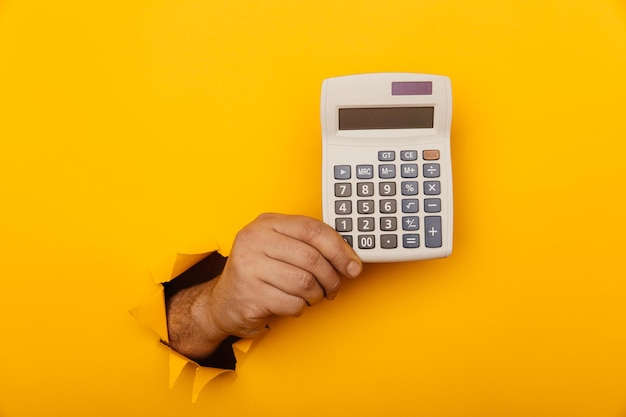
[(431, 170), (387, 188), (430, 155), (411, 241), (343, 189), (348, 239), (432, 231), (409, 187), (410, 223), (432, 187), (410, 205), (408, 155), (388, 206), (343, 207), (366, 242), (365, 224), (365, 206), (388, 241), (388, 223), (386, 171), (386, 155), (409, 170), (343, 224), (432, 205), (365, 172), (342, 172), (365, 189)]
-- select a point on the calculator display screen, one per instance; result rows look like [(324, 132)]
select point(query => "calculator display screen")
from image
[(386, 118)]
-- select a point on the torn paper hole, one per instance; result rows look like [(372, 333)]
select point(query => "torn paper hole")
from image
[(152, 314)]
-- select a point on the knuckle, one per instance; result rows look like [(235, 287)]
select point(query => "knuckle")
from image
[(306, 282), (311, 258), (313, 230)]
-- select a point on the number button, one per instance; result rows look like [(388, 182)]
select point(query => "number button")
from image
[(365, 206), (366, 224), (343, 207), (388, 206), (387, 188), (343, 189), (343, 225), (365, 189), (366, 242), (388, 223)]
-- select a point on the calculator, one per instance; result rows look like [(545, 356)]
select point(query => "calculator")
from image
[(386, 165)]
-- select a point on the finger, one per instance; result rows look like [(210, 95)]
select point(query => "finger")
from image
[(310, 272), (292, 279), (322, 237), (280, 303)]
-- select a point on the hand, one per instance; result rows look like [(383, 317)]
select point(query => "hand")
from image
[(278, 265)]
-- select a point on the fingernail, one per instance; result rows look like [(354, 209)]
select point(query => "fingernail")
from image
[(354, 269)]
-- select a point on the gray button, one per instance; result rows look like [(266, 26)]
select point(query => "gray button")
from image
[(388, 223), (342, 172), (343, 207), (411, 241), (365, 172), (432, 231), (409, 170), (431, 170), (408, 155), (432, 205), (387, 188), (388, 206), (386, 155), (366, 224), (432, 187), (348, 239), (343, 189), (388, 241), (410, 223), (387, 171), (343, 224), (366, 241), (410, 205), (365, 206), (365, 189), (409, 187)]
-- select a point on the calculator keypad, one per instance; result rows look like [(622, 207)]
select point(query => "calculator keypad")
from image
[(392, 204)]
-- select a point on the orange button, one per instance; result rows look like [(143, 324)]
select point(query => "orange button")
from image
[(430, 155)]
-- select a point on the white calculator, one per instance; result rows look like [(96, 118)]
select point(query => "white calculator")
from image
[(386, 173)]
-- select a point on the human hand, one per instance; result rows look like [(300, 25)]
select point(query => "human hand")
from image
[(278, 265)]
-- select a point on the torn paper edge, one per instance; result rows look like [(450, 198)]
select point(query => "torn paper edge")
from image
[(151, 313)]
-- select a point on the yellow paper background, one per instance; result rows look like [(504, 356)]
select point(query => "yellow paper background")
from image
[(133, 131)]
